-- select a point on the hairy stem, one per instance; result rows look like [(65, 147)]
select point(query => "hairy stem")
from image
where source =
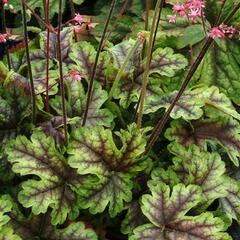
[(47, 55), (4, 29), (90, 84), (162, 122), (123, 67), (59, 50), (33, 96), (148, 61)]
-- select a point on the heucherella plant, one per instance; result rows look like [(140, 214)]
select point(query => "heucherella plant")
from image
[(119, 127)]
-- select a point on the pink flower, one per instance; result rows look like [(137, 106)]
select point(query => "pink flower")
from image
[(78, 18), (3, 38), (5, 1), (75, 75), (193, 4), (171, 19), (194, 14), (193, 9), (229, 30), (178, 7), (216, 32)]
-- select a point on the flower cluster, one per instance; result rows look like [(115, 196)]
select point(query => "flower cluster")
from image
[(192, 9), (78, 18), (3, 37), (222, 31)]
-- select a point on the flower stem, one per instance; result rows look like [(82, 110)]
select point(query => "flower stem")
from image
[(34, 107), (148, 61), (90, 84), (47, 55), (4, 29), (148, 6), (59, 50)]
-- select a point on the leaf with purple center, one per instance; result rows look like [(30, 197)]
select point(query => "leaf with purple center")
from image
[(17, 227), (76, 102), (95, 152), (167, 213), (224, 132), (57, 181), (164, 63)]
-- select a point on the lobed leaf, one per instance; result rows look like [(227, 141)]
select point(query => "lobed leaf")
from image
[(220, 68), (194, 166), (83, 54), (39, 157), (76, 103), (231, 203), (167, 215), (224, 132), (96, 153)]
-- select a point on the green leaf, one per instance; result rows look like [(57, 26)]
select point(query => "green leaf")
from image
[(188, 107), (222, 131), (5, 207), (220, 68), (167, 63), (39, 227), (73, 231), (191, 35), (120, 51), (3, 71), (167, 214), (231, 203), (164, 63), (16, 4), (97, 154), (216, 102), (7, 233), (39, 157), (76, 103), (83, 54), (66, 42), (129, 91), (194, 166), (194, 102)]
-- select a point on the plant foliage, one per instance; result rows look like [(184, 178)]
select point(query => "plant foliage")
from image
[(98, 162)]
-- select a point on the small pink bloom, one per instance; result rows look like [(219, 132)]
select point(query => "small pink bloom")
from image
[(5, 1), (171, 19), (78, 18), (216, 33), (75, 75), (178, 7), (194, 14), (3, 38)]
